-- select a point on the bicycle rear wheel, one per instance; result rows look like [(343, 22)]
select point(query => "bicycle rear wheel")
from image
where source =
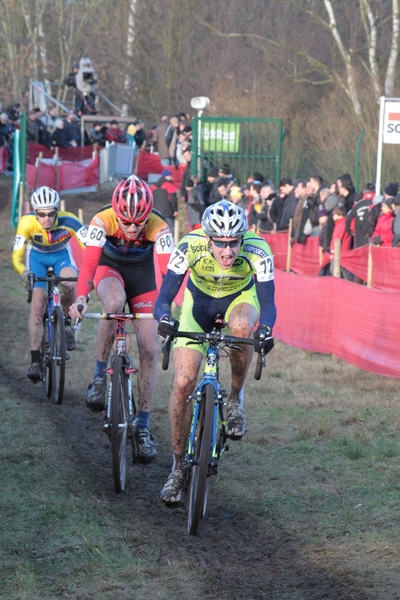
[(58, 355), (119, 422), (45, 360), (199, 470)]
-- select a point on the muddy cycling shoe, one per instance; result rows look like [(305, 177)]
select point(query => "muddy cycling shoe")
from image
[(35, 372), (96, 394), (236, 425), (70, 338), (174, 490), (145, 446)]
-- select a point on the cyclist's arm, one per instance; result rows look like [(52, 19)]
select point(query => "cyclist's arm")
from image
[(88, 268), (265, 294), (21, 239), (164, 244), (169, 289), (18, 254), (74, 225)]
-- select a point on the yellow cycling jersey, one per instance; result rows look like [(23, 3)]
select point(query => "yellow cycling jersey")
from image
[(254, 261), (30, 231)]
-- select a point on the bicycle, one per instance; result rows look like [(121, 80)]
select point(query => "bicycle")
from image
[(120, 414), (207, 436), (53, 348)]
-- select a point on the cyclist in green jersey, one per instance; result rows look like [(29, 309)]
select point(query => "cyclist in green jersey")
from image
[(232, 275)]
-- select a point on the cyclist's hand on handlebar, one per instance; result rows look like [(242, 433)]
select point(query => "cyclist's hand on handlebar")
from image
[(78, 309), (263, 340), (168, 327), (27, 277)]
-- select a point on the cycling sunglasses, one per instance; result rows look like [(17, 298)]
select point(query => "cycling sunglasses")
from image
[(231, 244), (43, 215), (129, 223)]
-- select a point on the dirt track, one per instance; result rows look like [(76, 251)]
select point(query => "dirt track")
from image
[(239, 554)]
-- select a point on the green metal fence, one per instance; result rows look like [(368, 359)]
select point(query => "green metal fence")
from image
[(247, 145)]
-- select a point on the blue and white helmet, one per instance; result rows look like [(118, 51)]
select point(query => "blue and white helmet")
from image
[(224, 219)]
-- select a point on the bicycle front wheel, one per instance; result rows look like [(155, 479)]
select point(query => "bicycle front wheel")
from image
[(58, 355), (119, 422), (202, 453), (45, 360)]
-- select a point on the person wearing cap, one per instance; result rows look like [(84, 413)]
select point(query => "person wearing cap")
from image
[(70, 79), (236, 196), (165, 199), (356, 218), (389, 192)]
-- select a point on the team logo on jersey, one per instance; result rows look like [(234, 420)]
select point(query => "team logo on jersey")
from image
[(38, 238)]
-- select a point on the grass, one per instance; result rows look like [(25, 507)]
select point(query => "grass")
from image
[(306, 506)]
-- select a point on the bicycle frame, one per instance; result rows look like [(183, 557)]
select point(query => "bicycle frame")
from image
[(210, 376), (120, 415), (120, 350)]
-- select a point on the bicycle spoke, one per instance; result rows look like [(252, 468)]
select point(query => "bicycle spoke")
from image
[(58, 355), (202, 455), (119, 422)]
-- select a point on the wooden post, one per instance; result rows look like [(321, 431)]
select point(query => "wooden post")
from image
[(80, 214), (62, 205), (56, 165), (176, 232), (38, 165), (370, 266), (289, 248), (336, 258), (21, 200)]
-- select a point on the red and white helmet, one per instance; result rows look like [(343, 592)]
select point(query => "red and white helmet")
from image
[(132, 200)]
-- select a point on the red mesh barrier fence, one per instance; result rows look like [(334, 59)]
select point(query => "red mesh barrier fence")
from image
[(64, 175), (71, 154), (331, 315), (3, 159)]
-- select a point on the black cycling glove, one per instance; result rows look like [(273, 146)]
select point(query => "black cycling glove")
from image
[(263, 339), (168, 326)]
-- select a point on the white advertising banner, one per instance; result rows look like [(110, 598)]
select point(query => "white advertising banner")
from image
[(391, 124)]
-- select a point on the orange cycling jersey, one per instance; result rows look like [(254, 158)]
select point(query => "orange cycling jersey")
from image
[(105, 239)]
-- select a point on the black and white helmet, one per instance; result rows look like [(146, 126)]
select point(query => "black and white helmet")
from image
[(45, 197), (224, 219)]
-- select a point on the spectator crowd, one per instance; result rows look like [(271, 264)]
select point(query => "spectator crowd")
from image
[(306, 207)]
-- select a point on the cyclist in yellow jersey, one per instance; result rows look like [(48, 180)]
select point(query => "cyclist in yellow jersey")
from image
[(124, 240), (232, 275), (42, 241)]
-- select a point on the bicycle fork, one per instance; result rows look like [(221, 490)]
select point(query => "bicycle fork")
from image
[(218, 445), (128, 370)]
